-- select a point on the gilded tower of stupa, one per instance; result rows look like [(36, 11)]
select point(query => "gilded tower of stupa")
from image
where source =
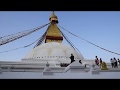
[(53, 32)]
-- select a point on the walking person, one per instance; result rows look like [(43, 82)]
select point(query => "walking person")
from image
[(100, 62), (119, 61), (96, 61), (72, 58), (112, 62), (115, 63)]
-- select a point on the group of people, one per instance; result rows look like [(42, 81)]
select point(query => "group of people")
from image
[(114, 62), (98, 62)]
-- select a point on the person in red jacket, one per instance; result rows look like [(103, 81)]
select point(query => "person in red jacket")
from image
[(96, 61)]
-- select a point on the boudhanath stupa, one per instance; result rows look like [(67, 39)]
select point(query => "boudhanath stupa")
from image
[(45, 59), (52, 50)]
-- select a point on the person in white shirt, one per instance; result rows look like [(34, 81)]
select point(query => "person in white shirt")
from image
[(112, 62), (115, 63), (119, 61)]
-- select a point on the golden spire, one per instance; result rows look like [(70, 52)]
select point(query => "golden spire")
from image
[(53, 32), (53, 17)]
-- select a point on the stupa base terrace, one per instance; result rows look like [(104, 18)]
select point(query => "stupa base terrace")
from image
[(19, 70)]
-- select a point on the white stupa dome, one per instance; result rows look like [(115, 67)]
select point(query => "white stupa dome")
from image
[(53, 51)]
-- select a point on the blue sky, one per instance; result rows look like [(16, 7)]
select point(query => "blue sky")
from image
[(99, 27)]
